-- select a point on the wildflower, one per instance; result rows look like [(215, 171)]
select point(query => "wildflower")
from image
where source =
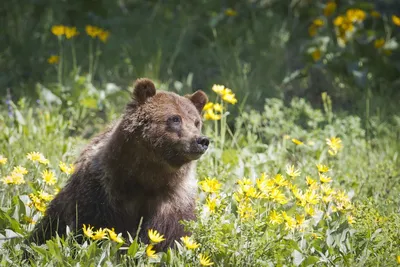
[(379, 43), (291, 171), (208, 106), (66, 169), (311, 197), (329, 9), (211, 204), (335, 144), (92, 31), (210, 115), (230, 12), (375, 14), (322, 168), (20, 170), (326, 189), (316, 236), (155, 236), (312, 30), (230, 98), (217, 107), (318, 22), (325, 179), (189, 243), (290, 222), (103, 35), (49, 177), (150, 252), (38, 203), (350, 219), (210, 185), (58, 30), (205, 260), (339, 20), (36, 156), (300, 219), (245, 210), (396, 20), (219, 89), (316, 54), (100, 234), (310, 210), (280, 181), (275, 218), (70, 32), (53, 59), (310, 181), (88, 231), (3, 160), (45, 196), (355, 15), (398, 259), (114, 237), (278, 196), (297, 142)]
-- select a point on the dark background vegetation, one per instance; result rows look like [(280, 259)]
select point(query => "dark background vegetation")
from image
[(260, 52)]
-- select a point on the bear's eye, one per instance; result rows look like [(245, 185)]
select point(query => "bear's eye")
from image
[(197, 123), (175, 119)]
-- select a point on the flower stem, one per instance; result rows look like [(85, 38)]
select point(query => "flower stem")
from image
[(60, 65)]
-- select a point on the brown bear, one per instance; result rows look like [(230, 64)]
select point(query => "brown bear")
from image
[(141, 167)]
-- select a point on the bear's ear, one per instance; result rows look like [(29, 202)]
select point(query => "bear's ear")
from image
[(199, 99), (144, 88)]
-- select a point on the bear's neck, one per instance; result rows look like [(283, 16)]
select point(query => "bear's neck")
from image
[(133, 169)]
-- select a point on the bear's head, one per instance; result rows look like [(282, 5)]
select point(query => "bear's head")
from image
[(166, 124)]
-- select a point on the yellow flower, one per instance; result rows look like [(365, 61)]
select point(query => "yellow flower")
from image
[(88, 231), (350, 219), (322, 168), (36, 156), (316, 236), (325, 179), (312, 30), (49, 177), (277, 196), (208, 106), (219, 89), (375, 14), (290, 222), (210, 185), (211, 204), (150, 252), (58, 30), (230, 98), (16, 178), (311, 197), (45, 196), (210, 115), (53, 59), (3, 160), (396, 20), (155, 236), (297, 142), (245, 210), (356, 15), (217, 107), (189, 243), (100, 234), (335, 144), (280, 181), (300, 219), (103, 35), (114, 237), (205, 260), (20, 170), (92, 31), (329, 9), (230, 12), (339, 20), (318, 22), (398, 259), (316, 54), (326, 189), (379, 43), (66, 169), (38, 203), (70, 32), (291, 171), (275, 218), (310, 181), (310, 210)]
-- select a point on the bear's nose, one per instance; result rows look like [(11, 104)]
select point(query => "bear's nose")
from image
[(203, 142)]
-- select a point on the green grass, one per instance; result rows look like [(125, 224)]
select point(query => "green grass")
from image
[(357, 225)]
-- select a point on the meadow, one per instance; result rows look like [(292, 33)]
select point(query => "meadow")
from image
[(303, 168)]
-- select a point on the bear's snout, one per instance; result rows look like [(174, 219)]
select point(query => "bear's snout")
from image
[(203, 143)]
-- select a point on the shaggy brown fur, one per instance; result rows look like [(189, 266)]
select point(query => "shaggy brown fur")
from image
[(143, 166)]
